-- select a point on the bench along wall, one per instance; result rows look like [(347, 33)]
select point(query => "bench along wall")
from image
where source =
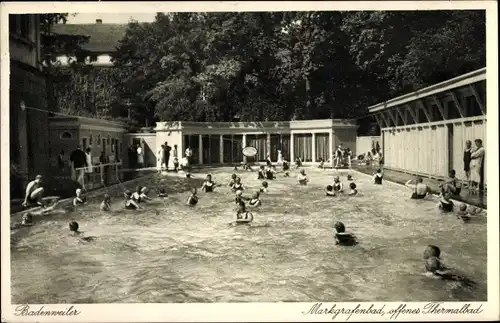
[(424, 132)]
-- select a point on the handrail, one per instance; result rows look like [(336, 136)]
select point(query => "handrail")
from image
[(99, 165)]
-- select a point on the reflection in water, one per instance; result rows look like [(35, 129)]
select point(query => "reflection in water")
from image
[(173, 253)]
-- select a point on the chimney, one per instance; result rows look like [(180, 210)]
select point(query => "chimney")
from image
[(98, 21)]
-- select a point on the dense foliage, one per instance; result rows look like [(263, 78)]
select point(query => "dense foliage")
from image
[(280, 65)]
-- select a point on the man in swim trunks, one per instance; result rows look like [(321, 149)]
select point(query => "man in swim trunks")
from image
[(34, 192)]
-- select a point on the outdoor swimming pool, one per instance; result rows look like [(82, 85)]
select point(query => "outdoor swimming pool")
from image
[(174, 253)]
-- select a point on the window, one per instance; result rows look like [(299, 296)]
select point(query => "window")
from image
[(472, 108), (259, 142), (303, 147), (66, 135), (322, 146)]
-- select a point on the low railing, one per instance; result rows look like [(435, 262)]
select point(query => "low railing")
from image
[(97, 176)]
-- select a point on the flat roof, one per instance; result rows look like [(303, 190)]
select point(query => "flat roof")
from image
[(459, 81)]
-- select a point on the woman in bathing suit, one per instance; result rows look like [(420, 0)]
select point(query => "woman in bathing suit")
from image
[(208, 186), (377, 178), (255, 201), (445, 204), (193, 198), (243, 216), (329, 190), (353, 190), (337, 185), (421, 190), (237, 186), (302, 177), (130, 204), (79, 199)]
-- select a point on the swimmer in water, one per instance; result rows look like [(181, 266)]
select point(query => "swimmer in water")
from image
[(27, 221), (337, 185), (264, 187), (435, 267), (73, 227), (463, 214), (329, 190), (106, 203), (242, 215), (141, 194), (286, 167), (343, 238), (162, 193), (445, 204), (353, 190), (321, 163), (298, 162), (232, 181), (261, 174), (193, 198), (302, 177), (377, 177), (421, 190), (255, 201), (80, 198), (130, 203), (237, 186), (349, 178), (209, 185), (270, 173)]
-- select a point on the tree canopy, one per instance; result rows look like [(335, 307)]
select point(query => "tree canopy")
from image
[(285, 65)]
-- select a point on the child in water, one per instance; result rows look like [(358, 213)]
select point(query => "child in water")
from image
[(255, 201), (270, 173), (130, 203), (263, 187), (27, 221), (298, 162), (342, 237), (435, 267), (80, 198), (353, 190), (232, 181), (242, 215), (237, 186), (349, 178), (238, 197), (302, 177), (106, 203), (377, 177), (261, 174), (286, 168), (445, 204), (337, 185), (193, 198), (420, 189), (209, 185), (329, 190), (162, 193), (140, 194), (463, 214), (321, 163)]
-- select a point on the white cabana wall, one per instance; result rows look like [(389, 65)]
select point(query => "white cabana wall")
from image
[(365, 144), (424, 132)]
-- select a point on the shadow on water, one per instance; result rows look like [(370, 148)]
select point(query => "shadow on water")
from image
[(173, 253)]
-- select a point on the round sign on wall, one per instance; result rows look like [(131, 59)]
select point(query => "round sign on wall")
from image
[(249, 151)]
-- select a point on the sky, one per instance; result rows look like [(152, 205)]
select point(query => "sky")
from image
[(110, 18)]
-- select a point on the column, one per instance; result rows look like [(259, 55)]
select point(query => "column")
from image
[(268, 144), (292, 146), (313, 147), (330, 144), (200, 150), (244, 144), (221, 149)]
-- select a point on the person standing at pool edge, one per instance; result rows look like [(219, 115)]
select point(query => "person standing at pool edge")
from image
[(476, 165), (140, 157), (467, 159), (167, 154), (78, 160)]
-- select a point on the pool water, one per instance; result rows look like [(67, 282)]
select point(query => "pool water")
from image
[(174, 253)]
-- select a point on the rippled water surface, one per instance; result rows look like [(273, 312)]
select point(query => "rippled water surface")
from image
[(174, 253)]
